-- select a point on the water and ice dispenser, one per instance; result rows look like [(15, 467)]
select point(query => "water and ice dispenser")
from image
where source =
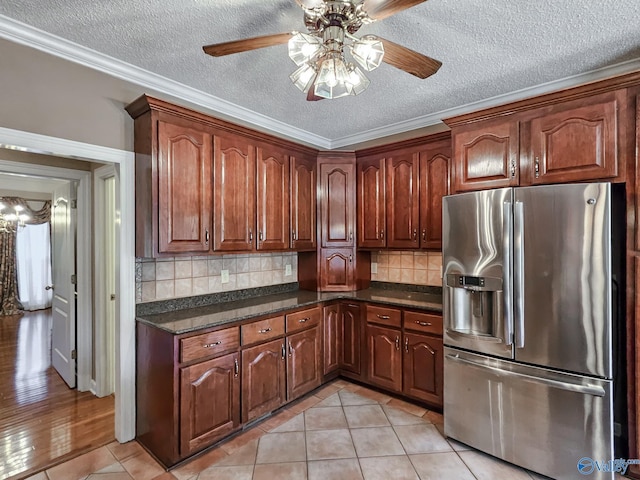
[(475, 305)]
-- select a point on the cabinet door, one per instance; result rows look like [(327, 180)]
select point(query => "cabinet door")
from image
[(423, 367), (371, 215), (184, 214), (209, 402), (486, 155), (337, 194), (272, 177), (263, 379), (234, 193), (303, 203), (337, 269), (434, 184), (403, 208), (351, 337), (576, 142), (332, 339), (304, 362), (385, 357)]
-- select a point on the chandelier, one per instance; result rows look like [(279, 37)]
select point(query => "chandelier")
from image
[(10, 222), (320, 54)]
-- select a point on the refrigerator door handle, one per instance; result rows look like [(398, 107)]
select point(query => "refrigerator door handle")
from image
[(518, 272), (507, 234), (594, 390)]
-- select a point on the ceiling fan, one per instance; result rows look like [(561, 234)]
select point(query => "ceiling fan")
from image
[(323, 70)]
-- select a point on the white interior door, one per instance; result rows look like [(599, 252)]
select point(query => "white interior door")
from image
[(63, 335)]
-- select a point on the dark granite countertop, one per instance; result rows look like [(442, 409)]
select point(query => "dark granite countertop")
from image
[(192, 319)]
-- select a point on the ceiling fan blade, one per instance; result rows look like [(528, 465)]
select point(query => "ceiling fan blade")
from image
[(409, 60), (238, 46), (379, 9)]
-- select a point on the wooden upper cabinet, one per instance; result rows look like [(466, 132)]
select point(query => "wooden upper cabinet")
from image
[(272, 206), (371, 203), (575, 141), (403, 207), (486, 155), (337, 193), (435, 164), (303, 203), (184, 189), (234, 161)]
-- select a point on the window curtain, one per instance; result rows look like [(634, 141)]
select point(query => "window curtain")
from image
[(9, 302), (33, 257)]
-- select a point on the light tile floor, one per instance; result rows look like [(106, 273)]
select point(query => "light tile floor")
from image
[(340, 432)]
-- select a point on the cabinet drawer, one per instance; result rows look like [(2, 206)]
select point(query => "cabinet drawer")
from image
[(384, 316), (262, 330), (209, 344), (423, 322), (303, 319)]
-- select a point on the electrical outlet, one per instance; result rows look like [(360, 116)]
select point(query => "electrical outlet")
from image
[(374, 267), (224, 276), (287, 270)]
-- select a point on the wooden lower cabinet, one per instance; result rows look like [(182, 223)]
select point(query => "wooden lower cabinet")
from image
[(304, 365), (209, 402), (331, 338), (422, 367), (384, 357), (350, 359), (263, 379)]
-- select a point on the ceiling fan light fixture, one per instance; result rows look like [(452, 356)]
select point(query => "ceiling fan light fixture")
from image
[(303, 77), (304, 47), (368, 51)]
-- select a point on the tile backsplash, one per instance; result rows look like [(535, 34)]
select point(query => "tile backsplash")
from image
[(166, 278), (418, 268)]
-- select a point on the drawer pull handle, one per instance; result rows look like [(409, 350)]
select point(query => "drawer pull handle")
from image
[(304, 320), (265, 330), (383, 317), (214, 344), (423, 324), (353, 305)]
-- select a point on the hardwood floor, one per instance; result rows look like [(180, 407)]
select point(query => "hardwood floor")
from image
[(42, 421)]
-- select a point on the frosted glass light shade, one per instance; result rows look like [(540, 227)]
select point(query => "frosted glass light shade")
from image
[(303, 47), (357, 79), (368, 52), (333, 78), (303, 77)]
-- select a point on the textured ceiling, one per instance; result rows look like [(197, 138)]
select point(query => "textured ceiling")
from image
[(488, 48)]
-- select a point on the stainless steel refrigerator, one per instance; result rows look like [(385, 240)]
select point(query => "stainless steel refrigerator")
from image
[(531, 289)]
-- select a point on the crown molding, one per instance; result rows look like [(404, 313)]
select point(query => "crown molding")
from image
[(29, 36), (529, 92), (24, 34)]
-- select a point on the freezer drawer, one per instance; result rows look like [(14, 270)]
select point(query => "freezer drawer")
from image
[(542, 420)]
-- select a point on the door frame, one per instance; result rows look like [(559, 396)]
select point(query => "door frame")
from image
[(124, 162), (100, 385)]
